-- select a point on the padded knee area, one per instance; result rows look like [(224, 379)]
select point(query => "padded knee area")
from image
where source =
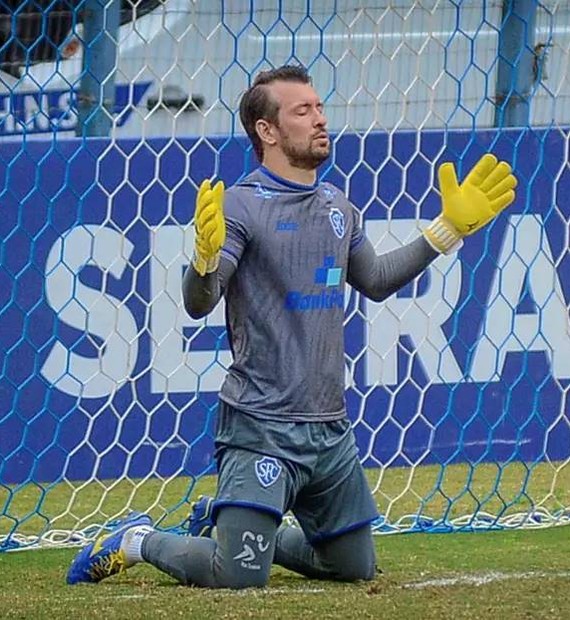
[(351, 556)]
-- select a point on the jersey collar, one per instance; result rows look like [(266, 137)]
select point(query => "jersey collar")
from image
[(286, 182)]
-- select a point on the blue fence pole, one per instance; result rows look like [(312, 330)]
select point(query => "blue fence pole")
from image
[(96, 97), (517, 63)]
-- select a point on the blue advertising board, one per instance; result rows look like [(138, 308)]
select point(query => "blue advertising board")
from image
[(103, 375)]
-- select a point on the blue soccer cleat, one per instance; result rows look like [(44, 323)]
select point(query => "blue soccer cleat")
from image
[(104, 557), (200, 522)]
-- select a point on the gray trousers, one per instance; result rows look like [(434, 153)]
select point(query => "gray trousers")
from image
[(248, 542)]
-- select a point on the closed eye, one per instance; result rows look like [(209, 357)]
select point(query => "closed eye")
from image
[(303, 109)]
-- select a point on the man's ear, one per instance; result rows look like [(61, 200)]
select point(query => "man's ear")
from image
[(265, 131)]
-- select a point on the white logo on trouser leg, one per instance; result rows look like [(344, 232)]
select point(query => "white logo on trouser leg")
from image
[(247, 555)]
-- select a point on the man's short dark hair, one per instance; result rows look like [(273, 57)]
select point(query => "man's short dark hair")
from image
[(256, 102)]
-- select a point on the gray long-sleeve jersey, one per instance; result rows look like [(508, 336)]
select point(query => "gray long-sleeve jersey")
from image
[(290, 250)]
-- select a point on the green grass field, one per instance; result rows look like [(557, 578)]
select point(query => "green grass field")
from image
[(522, 574), (510, 574)]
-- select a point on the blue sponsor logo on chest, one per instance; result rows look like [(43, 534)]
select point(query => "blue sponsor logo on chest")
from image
[(268, 471), (324, 300), (283, 226), (328, 275)]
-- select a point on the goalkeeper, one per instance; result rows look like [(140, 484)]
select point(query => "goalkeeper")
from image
[(279, 247)]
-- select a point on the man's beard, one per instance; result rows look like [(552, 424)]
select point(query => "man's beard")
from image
[(305, 158)]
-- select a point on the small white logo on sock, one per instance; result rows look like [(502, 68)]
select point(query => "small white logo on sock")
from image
[(247, 555)]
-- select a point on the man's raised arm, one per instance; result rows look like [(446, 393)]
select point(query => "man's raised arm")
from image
[(466, 208)]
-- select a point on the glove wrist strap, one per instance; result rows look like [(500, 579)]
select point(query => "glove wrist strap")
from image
[(205, 265), (442, 236)]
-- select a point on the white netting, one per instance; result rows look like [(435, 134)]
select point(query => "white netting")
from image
[(457, 386)]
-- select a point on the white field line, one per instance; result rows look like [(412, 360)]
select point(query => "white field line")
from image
[(481, 579)]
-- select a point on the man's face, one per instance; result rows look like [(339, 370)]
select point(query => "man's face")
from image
[(301, 131)]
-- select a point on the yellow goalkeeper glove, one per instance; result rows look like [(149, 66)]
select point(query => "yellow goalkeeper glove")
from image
[(466, 208), (210, 227)]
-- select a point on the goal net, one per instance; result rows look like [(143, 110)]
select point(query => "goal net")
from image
[(457, 386)]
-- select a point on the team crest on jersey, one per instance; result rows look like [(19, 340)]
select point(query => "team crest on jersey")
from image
[(268, 471), (336, 217)]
